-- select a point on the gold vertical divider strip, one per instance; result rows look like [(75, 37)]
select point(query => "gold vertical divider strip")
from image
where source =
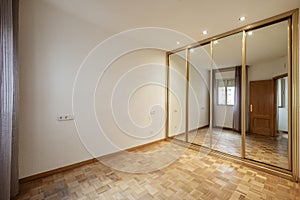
[(211, 95), (187, 71), (295, 96), (243, 100), (289, 66), (167, 95)]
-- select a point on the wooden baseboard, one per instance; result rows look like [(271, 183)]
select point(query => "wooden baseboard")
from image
[(199, 128), (144, 145), (225, 128), (131, 149), (202, 127), (79, 164), (285, 132), (195, 129), (55, 171)]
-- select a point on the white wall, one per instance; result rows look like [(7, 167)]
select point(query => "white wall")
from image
[(267, 70), (177, 94), (49, 59), (199, 86), (119, 86), (198, 98), (53, 44)]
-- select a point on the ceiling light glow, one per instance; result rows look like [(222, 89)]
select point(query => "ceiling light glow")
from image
[(192, 50), (205, 32), (250, 33), (216, 42), (177, 42), (242, 18)]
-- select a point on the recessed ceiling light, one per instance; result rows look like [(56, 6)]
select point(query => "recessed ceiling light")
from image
[(242, 18), (250, 33), (177, 42), (205, 32), (192, 50), (216, 42)]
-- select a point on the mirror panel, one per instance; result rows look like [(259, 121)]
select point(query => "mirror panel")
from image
[(177, 95), (198, 101), (267, 95), (226, 103)]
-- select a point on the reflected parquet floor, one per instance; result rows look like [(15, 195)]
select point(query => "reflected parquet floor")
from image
[(266, 149)]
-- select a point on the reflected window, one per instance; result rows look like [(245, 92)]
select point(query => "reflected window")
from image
[(281, 93), (226, 89)]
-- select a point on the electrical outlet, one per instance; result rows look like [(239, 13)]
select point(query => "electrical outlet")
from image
[(65, 117)]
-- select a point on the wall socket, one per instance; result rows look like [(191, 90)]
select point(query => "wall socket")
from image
[(65, 117)]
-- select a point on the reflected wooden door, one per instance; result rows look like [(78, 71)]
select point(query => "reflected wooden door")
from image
[(262, 107)]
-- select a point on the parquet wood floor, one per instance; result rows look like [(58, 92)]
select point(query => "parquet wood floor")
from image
[(189, 177), (266, 149)]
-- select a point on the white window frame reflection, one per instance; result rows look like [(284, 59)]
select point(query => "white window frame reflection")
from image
[(225, 98)]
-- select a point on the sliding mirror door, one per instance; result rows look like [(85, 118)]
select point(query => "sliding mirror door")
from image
[(198, 93), (226, 92), (267, 138), (177, 95)]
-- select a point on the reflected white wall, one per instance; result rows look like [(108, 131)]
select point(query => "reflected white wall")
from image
[(177, 94)]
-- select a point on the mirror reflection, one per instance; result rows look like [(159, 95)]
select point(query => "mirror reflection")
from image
[(198, 93), (177, 95), (226, 102), (267, 95), (205, 94)]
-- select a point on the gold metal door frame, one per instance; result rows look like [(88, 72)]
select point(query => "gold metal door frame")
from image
[(243, 101), (295, 95), (289, 39), (211, 94), (187, 76)]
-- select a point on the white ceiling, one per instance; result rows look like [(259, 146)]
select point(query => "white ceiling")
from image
[(187, 16), (264, 45), (267, 43), (190, 17)]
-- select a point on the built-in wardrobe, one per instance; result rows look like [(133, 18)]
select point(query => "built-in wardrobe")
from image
[(236, 95)]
